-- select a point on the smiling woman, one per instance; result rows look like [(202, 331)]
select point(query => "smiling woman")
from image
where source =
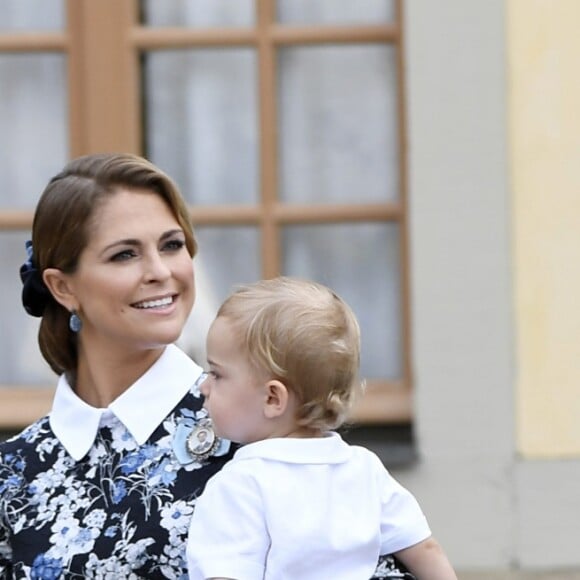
[(132, 287), (99, 483)]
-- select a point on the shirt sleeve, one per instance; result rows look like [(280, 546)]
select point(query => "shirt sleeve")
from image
[(228, 536), (403, 523)]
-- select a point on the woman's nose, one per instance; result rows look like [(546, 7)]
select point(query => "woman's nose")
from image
[(156, 268)]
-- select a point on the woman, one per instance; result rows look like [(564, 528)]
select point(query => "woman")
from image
[(104, 486)]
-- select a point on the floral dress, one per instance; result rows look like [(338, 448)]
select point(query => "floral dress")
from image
[(122, 511)]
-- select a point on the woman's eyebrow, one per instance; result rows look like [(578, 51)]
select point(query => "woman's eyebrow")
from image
[(170, 233), (136, 242), (124, 242)]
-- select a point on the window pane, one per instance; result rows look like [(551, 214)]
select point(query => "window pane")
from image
[(31, 15), (361, 263), (20, 358), (201, 124), (33, 117), (198, 13), (338, 116), (227, 256), (336, 11)]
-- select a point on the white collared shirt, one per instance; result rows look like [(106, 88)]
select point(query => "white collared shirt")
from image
[(293, 508), (141, 408)]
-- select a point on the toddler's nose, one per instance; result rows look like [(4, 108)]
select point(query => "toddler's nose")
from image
[(204, 387)]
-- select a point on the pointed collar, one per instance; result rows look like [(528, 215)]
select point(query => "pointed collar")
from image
[(141, 408)]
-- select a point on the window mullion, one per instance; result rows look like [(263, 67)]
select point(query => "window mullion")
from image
[(103, 77), (270, 242)]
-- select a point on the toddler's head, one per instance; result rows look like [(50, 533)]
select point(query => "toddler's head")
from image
[(304, 335)]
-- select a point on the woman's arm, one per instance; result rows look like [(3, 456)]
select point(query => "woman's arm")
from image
[(389, 567), (5, 536), (427, 561)]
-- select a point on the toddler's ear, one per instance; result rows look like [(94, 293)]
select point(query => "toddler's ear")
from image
[(276, 400)]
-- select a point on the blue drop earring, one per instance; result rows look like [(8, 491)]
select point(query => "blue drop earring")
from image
[(74, 322)]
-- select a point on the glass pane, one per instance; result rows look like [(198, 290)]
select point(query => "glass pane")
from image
[(31, 15), (338, 118), (227, 256), (198, 13), (33, 117), (20, 358), (336, 11), (201, 124), (361, 263)]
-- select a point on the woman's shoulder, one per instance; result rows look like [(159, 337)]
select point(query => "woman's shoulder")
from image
[(24, 453), (28, 438)]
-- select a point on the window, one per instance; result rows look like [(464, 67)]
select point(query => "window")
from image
[(282, 123)]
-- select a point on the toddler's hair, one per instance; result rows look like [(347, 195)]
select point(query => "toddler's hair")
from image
[(303, 334)]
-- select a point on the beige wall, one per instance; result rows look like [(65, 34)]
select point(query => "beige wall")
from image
[(493, 148), (461, 277), (544, 126)]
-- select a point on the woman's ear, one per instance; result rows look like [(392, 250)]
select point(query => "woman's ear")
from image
[(276, 401), (60, 287)]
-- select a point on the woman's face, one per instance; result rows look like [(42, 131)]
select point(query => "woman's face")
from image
[(134, 284)]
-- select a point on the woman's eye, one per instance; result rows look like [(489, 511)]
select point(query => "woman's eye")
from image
[(174, 245), (122, 256)]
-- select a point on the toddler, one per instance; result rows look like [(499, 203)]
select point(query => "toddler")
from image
[(296, 501)]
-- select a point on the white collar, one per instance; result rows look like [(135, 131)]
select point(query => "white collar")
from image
[(326, 450), (141, 408)]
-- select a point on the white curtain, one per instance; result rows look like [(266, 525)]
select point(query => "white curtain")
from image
[(33, 147)]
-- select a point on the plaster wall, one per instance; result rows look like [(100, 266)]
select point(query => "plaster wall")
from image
[(544, 53), (460, 277), (544, 60), (491, 500)]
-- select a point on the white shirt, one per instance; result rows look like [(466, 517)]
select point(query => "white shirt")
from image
[(141, 408), (289, 509)]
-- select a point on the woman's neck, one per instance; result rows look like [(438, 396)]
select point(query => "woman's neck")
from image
[(99, 379)]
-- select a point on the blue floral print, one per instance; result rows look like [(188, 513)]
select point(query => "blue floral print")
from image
[(45, 568), (122, 511)]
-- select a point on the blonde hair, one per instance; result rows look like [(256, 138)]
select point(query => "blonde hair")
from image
[(303, 334)]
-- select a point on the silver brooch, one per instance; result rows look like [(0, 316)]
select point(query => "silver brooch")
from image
[(202, 441)]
